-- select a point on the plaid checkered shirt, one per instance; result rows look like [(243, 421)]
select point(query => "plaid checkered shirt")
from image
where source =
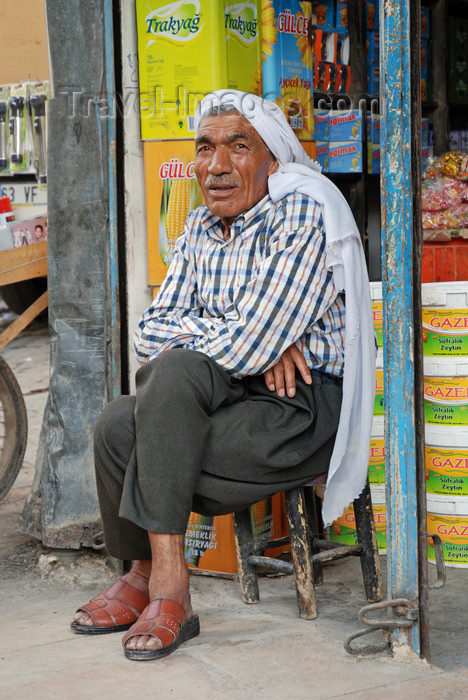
[(244, 301)]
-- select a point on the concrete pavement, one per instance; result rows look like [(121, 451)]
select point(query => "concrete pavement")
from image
[(260, 651)]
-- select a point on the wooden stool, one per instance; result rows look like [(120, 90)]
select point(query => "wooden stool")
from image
[(307, 557)]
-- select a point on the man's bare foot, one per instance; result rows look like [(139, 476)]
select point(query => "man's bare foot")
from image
[(169, 580), (137, 577), (176, 589)]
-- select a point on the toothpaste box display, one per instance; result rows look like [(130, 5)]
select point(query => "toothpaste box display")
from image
[(186, 50), (345, 157), (287, 66)]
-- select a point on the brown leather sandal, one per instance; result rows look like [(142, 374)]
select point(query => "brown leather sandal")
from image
[(113, 610), (165, 620)]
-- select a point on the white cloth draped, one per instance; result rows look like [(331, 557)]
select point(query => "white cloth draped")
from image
[(298, 173)]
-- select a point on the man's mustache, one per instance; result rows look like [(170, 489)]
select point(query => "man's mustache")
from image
[(220, 181)]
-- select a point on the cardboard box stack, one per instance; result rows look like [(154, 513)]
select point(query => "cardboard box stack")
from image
[(339, 135), (185, 52)]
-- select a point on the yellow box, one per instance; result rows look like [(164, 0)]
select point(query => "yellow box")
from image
[(187, 49), (210, 544), (169, 173)]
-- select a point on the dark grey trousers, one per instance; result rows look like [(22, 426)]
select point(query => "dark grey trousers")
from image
[(194, 438)]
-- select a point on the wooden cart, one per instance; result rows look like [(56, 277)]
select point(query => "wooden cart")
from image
[(16, 265)]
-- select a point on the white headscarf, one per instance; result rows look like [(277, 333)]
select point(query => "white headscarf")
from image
[(298, 173)]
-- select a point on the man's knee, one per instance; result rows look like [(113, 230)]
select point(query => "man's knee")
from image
[(175, 369), (115, 425)]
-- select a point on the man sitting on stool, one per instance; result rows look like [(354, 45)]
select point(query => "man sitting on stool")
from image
[(246, 348)]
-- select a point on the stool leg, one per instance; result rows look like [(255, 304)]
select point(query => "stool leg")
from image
[(365, 530), (312, 524), (244, 540), (301, 554)]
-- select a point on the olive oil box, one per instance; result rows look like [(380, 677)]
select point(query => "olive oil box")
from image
[(288, 63), (187, 49)]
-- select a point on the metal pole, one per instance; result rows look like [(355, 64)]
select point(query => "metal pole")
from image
[(401, 153), (114, 383)]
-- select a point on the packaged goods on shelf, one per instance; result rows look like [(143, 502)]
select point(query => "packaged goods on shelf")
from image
[(345, 125), (186, 50), (445, 198), (379, 399), (321, 124), (322, 154), (372, 15), (287, 66), (23, 130), (345, 157), (425, 19), (338, 125), (341, 18), (373, 128), (377, 451), (424, 68), (425, 131), (324, 45), (445, 320), (373, 158), (458, 141), (373, 80), (323, 14), (372, 46), (426, 157), (343, 529)]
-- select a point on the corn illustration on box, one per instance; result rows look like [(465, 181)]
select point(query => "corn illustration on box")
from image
[(172, 192), (186, 49)]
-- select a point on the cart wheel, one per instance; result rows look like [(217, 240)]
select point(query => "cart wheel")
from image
[(13, 428)]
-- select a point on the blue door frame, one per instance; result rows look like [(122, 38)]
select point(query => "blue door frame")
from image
[(403, 368)]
